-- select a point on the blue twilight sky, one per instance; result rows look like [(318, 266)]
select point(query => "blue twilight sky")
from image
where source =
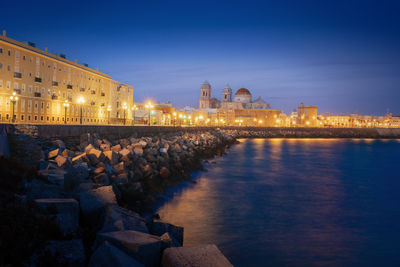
[(341, 55)]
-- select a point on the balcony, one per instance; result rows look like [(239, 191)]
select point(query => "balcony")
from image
[(54, 83), (17, 75), (36, 94), (18, 91), (54, 97), (69, 86), (38, 80), (82, 89), (93, 92)]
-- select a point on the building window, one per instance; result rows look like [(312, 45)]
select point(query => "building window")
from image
[(29, 117), (9, 52), (47, 118), (1, 66), (30, 88), (22, 117), (41, 118), (23, 57), (1, 83), (35, 117), (1, 50), (8, 68), (8, 84)]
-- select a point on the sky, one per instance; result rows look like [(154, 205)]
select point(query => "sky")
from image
[(343, 56)]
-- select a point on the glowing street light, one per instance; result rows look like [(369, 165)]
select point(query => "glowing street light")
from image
[(66, 105), (124, 107), (149, 106), (109, 111), (81, 100), (134, 108), (14, 99)]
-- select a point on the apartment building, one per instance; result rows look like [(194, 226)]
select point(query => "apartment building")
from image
[(39, 87)]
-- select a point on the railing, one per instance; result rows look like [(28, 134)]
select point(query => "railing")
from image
[(36, 94), (38, 80), (17, 75), (69, 86)]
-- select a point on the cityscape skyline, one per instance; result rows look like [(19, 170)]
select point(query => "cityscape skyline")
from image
[(343, 58)]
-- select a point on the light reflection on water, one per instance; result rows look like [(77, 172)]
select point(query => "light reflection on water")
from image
[(296, 202)]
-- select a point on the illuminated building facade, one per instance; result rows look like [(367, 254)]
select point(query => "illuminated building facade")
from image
[(52, 89)]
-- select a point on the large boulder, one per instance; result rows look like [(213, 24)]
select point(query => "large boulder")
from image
[(62, 161), (92, 203), (138, 150), (119, 219), (65, 210), (39, 189), (125, 152), (111, 156), (207, 255), (107, 255), (53, 153), (64, 253), (124, 143), (74, 176), (95, 156), (160, 228), (80, 159), (86, 139), (143, 247), (116, 148), (54, 174), (101, 179), (105, 147)]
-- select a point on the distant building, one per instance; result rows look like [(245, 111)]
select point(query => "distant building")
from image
[(307, 115)]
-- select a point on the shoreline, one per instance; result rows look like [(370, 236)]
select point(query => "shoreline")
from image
[(104, 182)]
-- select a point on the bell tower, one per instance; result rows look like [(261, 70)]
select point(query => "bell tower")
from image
[(227, 94), (205, 96)]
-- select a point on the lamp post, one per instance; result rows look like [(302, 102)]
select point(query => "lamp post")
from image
[(124, 107), (149, 106), (81, 100), (66, 105), (134, 108), (109, 111), (13, 99), (174, 118)]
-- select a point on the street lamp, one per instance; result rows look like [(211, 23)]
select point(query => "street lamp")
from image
[(13, 99), (174, 118), (149, 106), (66, 105), (124, 107), (134, 108), (109, 111), (81, 100)]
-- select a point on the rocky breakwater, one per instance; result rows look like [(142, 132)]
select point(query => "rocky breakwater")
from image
[(96, 190)]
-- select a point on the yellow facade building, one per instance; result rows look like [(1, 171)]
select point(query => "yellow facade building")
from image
[(46, 88)]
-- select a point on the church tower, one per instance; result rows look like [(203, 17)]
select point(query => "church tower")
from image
[(205, 96), (227, 94)]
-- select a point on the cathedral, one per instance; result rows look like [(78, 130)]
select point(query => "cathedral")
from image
[(241, 100)]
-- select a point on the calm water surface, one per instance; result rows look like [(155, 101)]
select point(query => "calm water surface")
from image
[(296, 202)]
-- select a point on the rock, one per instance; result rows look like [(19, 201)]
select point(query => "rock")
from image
[(83, 170), (74, 176), (164, 173), (97, 153), (86, 139), (125, 152), (124, 143), (163, 150), (101, 179), (160, 228), (207, 255), (65, 252), (105, 147), (62, 161), (88, 148), (112, 157), (98, 170), (67, 212), (138, 151), (105, 141), (80, 159), (65, 153), (59, 143), (38, 189), (92, 203), (143, 143), (119, 168), (54, 175), (54, 153), (107, 255), (119, 219), (122, 178), (145, 248), (169, 241), (116, 148)]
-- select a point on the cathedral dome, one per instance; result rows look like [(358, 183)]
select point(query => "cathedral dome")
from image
[(243, 91), (205, 85)]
